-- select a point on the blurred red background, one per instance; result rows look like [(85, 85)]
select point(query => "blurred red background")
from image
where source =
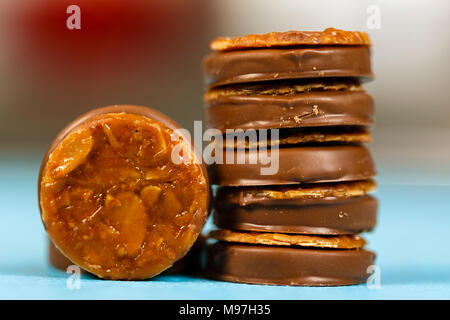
[(115, 36), (134, 52)]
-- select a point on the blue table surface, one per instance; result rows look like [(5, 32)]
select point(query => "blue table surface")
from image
[(411, 240)]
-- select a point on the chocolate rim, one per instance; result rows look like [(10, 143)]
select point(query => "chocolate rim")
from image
[(292, 195), (308, 109), (231, 67), (272, 265), (298, 136), (299, 164), (329, 36)]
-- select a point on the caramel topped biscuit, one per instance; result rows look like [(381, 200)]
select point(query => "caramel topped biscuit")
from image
[(307, 135), (316, 209), (325, 190), (329, 36), (282, 88), (251, 195), (279, 239), (289, 104)]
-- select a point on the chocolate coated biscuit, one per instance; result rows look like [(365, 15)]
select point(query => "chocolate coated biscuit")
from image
[(320, 209), (306, 109), (329, 216), (224, 68), (259, 264), (299, 164)]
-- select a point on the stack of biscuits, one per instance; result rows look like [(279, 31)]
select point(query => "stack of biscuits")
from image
[(291, 217)]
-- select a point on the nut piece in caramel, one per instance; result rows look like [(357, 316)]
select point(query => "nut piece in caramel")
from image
[(150, 195), (112, 200), (67, 157)]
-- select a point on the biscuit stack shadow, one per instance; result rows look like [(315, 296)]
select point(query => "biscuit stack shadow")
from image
[(299, 225)]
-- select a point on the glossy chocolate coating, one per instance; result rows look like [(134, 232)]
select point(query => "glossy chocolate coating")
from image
[(328, 216), (270, 111), (223, 68), (304, 164), (258, 264)]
